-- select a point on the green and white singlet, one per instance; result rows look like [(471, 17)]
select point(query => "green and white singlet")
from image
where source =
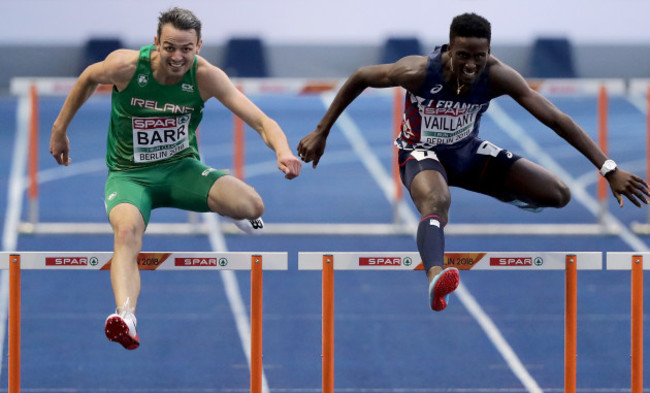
[(153, 123)]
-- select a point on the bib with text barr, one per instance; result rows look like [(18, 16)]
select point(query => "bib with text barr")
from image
[(158, 138)]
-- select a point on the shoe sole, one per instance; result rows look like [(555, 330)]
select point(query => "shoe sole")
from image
[(117, 331), (446, 284)]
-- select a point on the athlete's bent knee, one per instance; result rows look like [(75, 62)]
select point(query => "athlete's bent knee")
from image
[(254, 207), (563, 194), (434, 203)]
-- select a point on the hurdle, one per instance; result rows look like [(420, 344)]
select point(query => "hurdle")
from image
[(328, 262), (255, 262), (633, 262)]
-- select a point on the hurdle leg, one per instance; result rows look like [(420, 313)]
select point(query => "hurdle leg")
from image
[(256, 324), (14, 325), (570, 325), (637, 325), (328, 324)]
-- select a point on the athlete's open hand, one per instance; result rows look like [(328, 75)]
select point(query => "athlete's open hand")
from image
[(312, 147), (630, 185)]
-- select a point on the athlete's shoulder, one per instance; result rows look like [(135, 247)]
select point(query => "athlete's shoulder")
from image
[(121, 62), (206, 71), (410, 71), (210, 78), (123, 57), (204, 65), (504, 78)]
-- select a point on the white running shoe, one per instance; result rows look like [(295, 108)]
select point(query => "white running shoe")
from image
[(251, 227), (120, 328)]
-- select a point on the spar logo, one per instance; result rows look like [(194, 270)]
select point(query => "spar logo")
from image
[(66, 261), (198, 261), (383, 261), (516, 261)]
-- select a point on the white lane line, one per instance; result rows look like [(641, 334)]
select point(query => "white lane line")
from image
[(16, 181), (352, 132)]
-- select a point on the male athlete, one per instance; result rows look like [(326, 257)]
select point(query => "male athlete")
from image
[(446, 94), (157, 103)]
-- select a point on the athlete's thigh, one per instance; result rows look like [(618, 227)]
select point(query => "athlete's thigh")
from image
[(232, 197), (186, 185), (480, 166), (412, 162), (127, 215), (426, 179), (125, 187), (528, 181)]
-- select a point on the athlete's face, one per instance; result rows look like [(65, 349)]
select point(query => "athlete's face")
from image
[(469, 56), (177, 49)]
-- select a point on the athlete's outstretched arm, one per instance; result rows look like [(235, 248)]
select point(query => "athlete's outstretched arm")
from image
[(213, 82), (621, 182), (113, 70), (408, 72)]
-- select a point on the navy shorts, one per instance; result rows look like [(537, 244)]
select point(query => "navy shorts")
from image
[(477, 165)]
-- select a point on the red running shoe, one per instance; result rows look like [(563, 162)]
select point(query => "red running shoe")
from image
[(121, 329), (441, 286)]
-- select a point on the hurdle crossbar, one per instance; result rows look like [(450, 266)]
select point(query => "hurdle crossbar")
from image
[(634, 263), (379, 229), (255, 262), (328, 262)]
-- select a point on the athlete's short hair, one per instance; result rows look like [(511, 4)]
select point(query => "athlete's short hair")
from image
[(181, 19), (470, 25)]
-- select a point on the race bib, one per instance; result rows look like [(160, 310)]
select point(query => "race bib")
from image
[(158, 138), (443, 126)]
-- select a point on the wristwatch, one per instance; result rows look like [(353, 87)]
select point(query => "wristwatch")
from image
[(608, 166)]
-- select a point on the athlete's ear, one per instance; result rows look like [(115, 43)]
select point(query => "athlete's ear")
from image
[(198, 46), (155, 41)]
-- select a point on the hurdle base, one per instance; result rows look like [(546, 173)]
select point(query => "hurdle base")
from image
[(378, 229)]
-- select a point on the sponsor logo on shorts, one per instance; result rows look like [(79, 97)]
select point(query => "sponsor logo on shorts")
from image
[(207, 171), (199, 261), (66, 261), (112, 196)]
